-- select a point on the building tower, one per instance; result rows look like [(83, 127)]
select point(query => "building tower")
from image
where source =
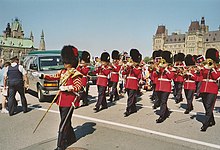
[(32, 37), (42, 42), (159, 38)]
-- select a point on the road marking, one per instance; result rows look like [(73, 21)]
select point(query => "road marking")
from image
[(139, 129), (174, 110)]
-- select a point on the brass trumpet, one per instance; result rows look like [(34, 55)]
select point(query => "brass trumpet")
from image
[(162, 62), (208, 63)]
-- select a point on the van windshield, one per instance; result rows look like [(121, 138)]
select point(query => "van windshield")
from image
[(50, 63)]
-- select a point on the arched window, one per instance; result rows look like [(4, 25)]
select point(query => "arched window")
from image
[(11, 53), (19, 54)]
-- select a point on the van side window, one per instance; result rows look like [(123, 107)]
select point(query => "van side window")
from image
[(33, 64)]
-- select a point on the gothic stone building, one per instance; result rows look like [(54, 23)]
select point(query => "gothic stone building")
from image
[(13, 43), (196, 41)]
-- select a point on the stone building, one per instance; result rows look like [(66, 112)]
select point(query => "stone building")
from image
[(196, 41), (14, 43)]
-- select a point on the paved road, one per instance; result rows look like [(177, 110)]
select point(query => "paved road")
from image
[(109, 130)]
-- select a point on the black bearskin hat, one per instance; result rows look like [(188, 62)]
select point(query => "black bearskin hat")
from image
[(180, 57), (189, 60), (195, 57), (85, 57), (115, 54), (175, 58), (69, 55), (135, 55), (213, 54), (105, 57), (156, 53), (167, 55)]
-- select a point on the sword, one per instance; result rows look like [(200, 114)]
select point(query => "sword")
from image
[(72, 106), (46, 111)]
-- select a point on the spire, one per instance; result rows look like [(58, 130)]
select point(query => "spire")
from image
[(32, 37), (203, 21), (42, 42)]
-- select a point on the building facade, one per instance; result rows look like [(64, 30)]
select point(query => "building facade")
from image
[(196, 41), (14, 43)]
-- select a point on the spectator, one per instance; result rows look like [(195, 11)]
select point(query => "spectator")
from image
[(16, 77), (4, 92)]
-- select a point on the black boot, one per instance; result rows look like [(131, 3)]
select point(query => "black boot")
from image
[(160, 120), (204, 128)]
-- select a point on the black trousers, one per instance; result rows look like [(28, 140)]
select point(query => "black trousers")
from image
[(198, 87), (67, 136), (131, 102), (114, 91), (154, 92), (178, 87), (13, 88), (189, 97), (84, 94), (101, 97), (163, 97), (208, 100)]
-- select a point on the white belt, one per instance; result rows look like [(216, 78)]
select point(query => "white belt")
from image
[(114, 72), (84, 76), (190, 81), (209, 80), (103, 76), (132, 78), (163, 79)]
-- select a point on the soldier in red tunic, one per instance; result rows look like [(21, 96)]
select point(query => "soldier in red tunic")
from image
[(189, 82), (70, 82), (199, 61), (163, 85), (84, 69), (115, 75), (102, 81), (133, 74), (178, 77), (209, 87), (152, 71)]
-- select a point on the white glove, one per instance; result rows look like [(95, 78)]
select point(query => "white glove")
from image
[(64, 88), (37, 74), (189, 74)]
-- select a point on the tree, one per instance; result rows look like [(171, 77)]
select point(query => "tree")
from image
[(146, 59)]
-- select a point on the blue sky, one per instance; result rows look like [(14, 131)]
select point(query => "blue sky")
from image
[(98, 25)]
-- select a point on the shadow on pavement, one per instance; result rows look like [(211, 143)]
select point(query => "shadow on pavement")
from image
[(183, 105), (217, 109), (199, 117), (84, 130)]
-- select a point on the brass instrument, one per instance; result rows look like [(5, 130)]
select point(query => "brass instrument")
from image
[(162, 62), (208, 63)]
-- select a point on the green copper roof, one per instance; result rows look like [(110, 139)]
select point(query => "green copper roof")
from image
[(15, 42)]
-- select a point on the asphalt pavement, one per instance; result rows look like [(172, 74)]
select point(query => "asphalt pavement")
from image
[(109, 129)]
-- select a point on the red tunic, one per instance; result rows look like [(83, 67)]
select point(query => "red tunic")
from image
[(102, 73), (133, 75), (115, 72), (164, 80), (209, 82), (65, 99), (189, 82), (84, 70), (178, 77)]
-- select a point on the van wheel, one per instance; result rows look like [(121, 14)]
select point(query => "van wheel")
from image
[(40, 95)]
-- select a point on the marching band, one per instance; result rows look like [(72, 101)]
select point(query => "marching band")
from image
[(167, 73), (195, 75)]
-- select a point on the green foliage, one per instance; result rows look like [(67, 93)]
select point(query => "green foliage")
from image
[(146, 59)]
